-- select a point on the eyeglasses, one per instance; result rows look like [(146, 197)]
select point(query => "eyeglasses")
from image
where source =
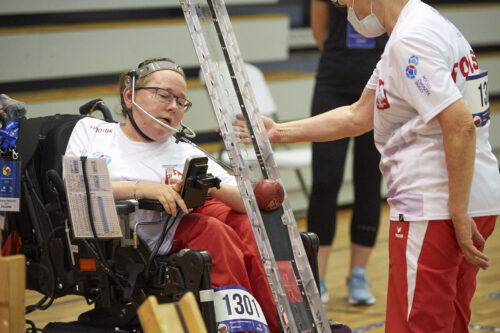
[(166, 97)]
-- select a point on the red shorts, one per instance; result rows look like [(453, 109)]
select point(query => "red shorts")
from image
[(430, 283)]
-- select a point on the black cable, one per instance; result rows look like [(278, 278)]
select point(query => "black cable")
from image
[(28, 186), (107, 270), (49, 220), (32, 328), (89, 207), (31, 308), (164, 232), (99, 255), (52, 272), (207, 154)]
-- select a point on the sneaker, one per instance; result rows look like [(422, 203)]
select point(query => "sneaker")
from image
[(323, 292), (359, 294)]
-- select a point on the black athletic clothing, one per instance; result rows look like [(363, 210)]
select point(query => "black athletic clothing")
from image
[(341, 76)]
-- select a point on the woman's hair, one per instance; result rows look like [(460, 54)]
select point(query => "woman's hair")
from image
[(140, 82)]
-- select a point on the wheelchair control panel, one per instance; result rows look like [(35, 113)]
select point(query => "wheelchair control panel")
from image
[(196, 182)]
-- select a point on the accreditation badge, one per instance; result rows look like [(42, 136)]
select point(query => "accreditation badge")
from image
[(477, 98), (355, 40), (236, 310), (10, 184)]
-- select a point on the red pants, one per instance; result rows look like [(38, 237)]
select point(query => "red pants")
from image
[(228, 237), (430, 283)]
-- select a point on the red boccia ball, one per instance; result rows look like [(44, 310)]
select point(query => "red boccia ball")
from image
[(269, 194)]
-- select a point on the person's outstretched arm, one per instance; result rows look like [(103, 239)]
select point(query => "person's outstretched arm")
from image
[(345, 121)]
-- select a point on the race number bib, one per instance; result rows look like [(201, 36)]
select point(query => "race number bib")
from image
[(236, 310), (478, 99)]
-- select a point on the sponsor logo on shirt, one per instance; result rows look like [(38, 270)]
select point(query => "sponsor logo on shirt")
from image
[(100, 154), (382, 101), (101, 130), (466, 66), (411, 69), (423, 85)]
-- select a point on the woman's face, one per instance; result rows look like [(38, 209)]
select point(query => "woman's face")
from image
[(154, 102)]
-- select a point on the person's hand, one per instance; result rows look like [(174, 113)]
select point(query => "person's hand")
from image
[(243, 136), (167, 195), (468, 238)]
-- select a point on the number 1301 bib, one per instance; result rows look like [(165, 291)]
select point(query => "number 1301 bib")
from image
[(236, 310)]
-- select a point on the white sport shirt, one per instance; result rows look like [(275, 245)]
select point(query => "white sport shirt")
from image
[(130, 161), (422, 71)]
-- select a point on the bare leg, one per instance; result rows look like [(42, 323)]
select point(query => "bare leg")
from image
[(323, 253), (359, 255)]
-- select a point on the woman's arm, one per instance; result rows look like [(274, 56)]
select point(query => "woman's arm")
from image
[(320, 17), (168, 195), (230, 195), (459, 140), (345, 121)]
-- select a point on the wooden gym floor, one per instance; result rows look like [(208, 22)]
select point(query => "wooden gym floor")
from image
[(485, 304)]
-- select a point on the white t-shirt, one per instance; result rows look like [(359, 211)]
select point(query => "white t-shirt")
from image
[(130, 161), (422, 71)]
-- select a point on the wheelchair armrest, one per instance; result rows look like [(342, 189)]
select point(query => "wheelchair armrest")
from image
[(124, 207), (150, 204)]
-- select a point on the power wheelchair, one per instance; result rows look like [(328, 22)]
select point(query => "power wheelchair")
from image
[(120, 276)]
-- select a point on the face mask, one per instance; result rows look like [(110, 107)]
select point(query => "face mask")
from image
[(369, 26)]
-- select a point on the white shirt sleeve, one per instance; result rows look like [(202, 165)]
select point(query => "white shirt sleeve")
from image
[(79, 139), (373, 81), (423, 75)]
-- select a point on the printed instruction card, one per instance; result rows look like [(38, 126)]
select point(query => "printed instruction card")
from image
[(106, 221)]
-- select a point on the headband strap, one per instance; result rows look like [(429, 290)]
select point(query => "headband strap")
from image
[(145, 70)]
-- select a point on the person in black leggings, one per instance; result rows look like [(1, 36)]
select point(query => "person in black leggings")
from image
[(339, 82)]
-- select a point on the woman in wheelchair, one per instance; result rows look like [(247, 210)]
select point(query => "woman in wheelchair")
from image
[(136, 152)]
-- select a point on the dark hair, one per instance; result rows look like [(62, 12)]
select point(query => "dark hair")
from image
[(139, 82)]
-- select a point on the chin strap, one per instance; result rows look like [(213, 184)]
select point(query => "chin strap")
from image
[(129, 114)]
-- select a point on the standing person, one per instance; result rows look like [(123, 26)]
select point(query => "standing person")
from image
[(136, 151), (426, 101), (346, 63)]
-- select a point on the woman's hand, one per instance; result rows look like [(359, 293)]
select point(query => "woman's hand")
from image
[(468, 238), (167, 195), (243, 136)]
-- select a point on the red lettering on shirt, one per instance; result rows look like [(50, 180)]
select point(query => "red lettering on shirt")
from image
[(466, 65), (475, 65), (454, 72), (382, 101), (101, 130)]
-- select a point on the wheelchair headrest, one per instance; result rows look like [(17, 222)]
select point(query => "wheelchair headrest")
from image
[(33, 131)]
